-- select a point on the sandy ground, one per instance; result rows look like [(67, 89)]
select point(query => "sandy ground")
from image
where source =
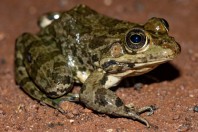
[(172, 87)]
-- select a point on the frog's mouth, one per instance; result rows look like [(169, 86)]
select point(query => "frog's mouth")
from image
[(121, 69), (151, 63)]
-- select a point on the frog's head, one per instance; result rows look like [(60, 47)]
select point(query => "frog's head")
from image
[(140, 49)]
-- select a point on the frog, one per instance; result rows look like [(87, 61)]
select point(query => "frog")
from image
[(83, 46)]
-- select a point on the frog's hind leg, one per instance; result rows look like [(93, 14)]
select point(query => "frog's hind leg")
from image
[(25, 81)]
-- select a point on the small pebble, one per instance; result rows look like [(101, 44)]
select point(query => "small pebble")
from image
[(71, 121), (176, 117), (138, 86), (2, 36), (20, 108), (108, 2), (87, 110), (195, 108), (63, 2), (183, 128), (2, 112), (109, 130)]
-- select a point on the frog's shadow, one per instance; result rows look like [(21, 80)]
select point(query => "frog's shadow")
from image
[(164, 72)]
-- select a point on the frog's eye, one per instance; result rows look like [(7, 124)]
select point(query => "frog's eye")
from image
[(136, 39)]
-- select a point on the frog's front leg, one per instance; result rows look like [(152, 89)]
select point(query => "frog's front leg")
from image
[(95, 96)]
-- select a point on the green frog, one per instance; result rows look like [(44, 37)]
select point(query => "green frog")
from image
[(83, 46)]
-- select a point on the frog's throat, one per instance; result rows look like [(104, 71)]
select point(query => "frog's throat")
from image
[(114, 79)]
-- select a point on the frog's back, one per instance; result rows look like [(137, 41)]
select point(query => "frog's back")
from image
[(81, 23), (87, 20), (72, 33), (82, 34)]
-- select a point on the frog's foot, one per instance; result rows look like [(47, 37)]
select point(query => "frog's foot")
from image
[(117, 108), (68, 97), (103, 100)]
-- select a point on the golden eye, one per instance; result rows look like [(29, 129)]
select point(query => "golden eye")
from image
[(136, 39)]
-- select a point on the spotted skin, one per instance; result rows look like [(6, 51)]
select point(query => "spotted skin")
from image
[(83, 46)]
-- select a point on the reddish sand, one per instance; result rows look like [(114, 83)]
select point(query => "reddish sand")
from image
[(172, 87)]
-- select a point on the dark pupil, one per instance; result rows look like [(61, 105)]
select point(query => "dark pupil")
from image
[(135, 38)]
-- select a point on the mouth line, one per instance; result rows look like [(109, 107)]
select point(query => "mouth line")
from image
[(139, 68), (156, 62), (135, 65)]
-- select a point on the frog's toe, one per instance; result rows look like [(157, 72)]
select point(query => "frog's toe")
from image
[(149, 109), (61, 110), (135, 116), (69, 97), (144, 121)]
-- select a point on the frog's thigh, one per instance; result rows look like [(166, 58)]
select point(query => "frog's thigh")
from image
[(22, 78), (32, 90), (48, 68), (45, 65), (94, 96)]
